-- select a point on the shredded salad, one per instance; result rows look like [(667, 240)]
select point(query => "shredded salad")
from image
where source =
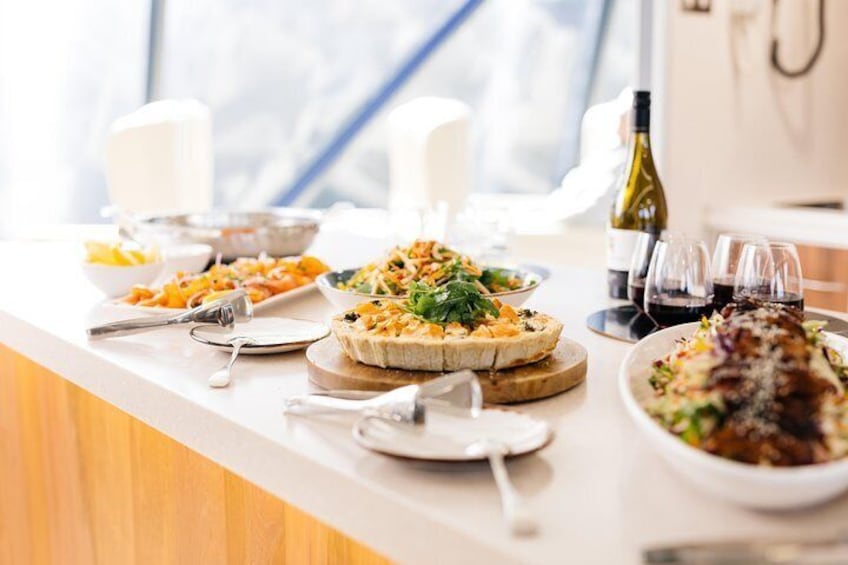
[(261, 277), (761, 386), (430, 263)]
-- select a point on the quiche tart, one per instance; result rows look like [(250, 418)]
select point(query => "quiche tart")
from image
[(389, 334)]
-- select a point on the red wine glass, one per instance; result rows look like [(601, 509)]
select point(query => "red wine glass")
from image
[(770, 272), (679, 287), (728, 251)]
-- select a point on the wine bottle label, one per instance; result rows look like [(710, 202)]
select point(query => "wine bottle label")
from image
[(620, 247)]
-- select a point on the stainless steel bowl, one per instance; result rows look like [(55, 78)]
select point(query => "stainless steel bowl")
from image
[(278, 232)]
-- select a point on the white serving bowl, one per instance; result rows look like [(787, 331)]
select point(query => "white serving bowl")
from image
[(188, 258), (115, 281), (346, 299), (774, 488)]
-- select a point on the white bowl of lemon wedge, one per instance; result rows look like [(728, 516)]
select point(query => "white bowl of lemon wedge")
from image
[(115, 267)]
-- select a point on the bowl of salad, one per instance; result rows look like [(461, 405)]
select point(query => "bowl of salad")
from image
[(751, 407), (428, 263)]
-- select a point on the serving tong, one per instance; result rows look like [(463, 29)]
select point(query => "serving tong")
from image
[(458, 393), (233, 308), (827, 551)]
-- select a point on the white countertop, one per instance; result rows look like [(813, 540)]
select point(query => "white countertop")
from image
[(600, 494)]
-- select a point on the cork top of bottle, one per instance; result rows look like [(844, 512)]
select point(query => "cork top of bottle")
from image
[(641, 121), (641, 98)]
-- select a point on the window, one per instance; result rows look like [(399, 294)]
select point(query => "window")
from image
[(63, 78), (282, 78)]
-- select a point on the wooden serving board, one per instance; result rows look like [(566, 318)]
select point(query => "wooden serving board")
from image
[(329, 367)]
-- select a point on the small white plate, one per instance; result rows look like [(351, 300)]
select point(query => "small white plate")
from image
[(445, 437), (266, 304), (271, 335)]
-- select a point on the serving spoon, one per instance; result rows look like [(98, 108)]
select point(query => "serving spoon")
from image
[(455, 442), (221, 377), (516, 515), (232, 308)]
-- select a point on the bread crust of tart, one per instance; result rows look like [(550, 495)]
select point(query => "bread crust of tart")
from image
[(449, 352)]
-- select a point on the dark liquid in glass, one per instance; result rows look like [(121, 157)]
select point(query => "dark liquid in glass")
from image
[(789, 299), (637, 294), (722, 295), (794, 300), (673, 311)]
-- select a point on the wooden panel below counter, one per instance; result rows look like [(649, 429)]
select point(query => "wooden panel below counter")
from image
[(83, 482), (825, 277)]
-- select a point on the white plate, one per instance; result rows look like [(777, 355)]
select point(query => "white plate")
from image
[(444, 437), (266, 304), (748, 485), (272, 335)]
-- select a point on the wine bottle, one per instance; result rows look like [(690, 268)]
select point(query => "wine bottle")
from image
[(640, 203)]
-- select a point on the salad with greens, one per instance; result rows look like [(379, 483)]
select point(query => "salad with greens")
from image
[(762, 386), (430, 263)]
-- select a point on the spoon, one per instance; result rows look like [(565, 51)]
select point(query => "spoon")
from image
[(517, 516), (221, 377), (451, 439), (232, 308)]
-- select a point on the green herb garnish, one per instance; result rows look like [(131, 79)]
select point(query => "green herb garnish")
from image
[(661, 375), (364, 288), (454, 271), (456, 301), (697, 420), (499, 280)]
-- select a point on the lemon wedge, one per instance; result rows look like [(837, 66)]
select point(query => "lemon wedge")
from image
[(116, 255)]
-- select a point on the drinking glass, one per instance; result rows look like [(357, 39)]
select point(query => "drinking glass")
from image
[(639, 267), (679, 287), (728, 250), (771, 272)]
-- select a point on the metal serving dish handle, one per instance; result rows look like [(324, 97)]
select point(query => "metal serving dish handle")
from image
[(226, 312)]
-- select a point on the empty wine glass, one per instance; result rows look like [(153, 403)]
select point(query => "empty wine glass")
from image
[(678, 287), (639, 267), (771, 272), (728, 251)]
